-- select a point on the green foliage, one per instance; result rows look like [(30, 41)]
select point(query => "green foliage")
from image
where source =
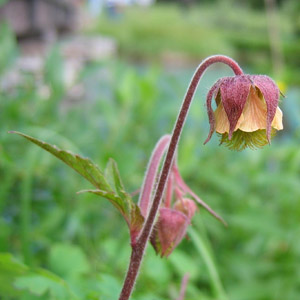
[(10, 269), (168, 33), (41, 284), (116, 194), (54, 69), (17, 279), (2, 2), (83, 166), (83, 242), (164, 31), (68, 261), (8, 47)]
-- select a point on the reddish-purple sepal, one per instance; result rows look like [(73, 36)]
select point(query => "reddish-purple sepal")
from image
[(234, 94), (169, 230), (271, 93), (186, 206)]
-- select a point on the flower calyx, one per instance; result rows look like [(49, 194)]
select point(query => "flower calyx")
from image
[(247, 112), (175, 214)]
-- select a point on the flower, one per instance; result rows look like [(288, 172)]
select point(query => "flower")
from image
[(175, 214), (247, 113)]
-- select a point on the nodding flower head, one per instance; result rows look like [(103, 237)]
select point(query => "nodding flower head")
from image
[(247, 113)]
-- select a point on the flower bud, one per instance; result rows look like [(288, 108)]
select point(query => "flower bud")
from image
[(169, 230), (186, 206)]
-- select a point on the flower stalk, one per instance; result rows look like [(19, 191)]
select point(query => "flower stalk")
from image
[(184, 283), (139, 248)]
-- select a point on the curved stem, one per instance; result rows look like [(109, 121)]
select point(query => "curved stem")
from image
[(151, 173), (139, 247)]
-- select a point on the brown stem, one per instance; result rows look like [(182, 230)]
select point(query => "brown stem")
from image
[(139, 248), (184, 283)]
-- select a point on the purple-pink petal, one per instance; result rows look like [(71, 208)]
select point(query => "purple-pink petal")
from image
[(234, 94), (271, 94), (211, 116)]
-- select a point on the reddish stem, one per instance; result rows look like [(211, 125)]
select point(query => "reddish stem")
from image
[(139, 248), (184, 283), (151, 173)]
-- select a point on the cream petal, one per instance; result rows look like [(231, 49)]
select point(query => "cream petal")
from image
[(277, 121), (222, 123), (254, 113)]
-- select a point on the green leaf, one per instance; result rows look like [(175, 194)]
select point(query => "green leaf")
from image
[(110, 188), (136, 219), (10, 269), (113, 198), (130, 211), (121, 200), (42, 282), (68, 261), (84, 166), (17, 280), (113, 173)]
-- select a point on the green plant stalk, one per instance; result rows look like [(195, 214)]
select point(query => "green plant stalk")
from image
[(6, 185), (25, 217), (209, 262)]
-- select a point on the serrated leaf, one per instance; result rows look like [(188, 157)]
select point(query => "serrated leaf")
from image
[(83, 166), (130, 211), (113, 173), (115, 194), (136, 219), (113, 198)]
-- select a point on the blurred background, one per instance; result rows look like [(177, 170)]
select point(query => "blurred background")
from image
[(105, 78)]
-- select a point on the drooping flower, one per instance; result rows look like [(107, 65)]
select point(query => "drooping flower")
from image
[(247, 113)]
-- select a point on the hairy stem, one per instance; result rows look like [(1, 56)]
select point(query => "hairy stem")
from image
[(151, 173), (139, 248), (184, 283)]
